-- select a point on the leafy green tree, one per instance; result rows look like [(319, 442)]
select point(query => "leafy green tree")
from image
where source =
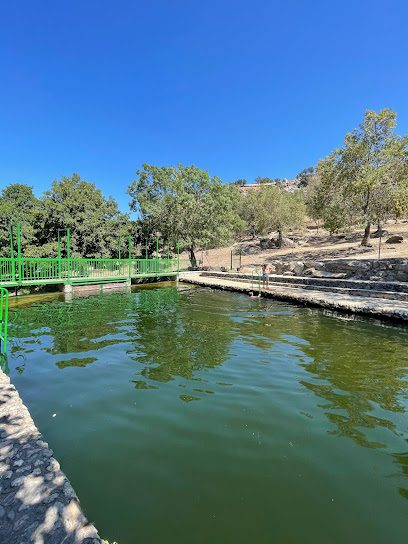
[(367, 179), (18, 205), (305, 175), (272, 209), (240, 182), (185, 204), (95, 222), (287, 211)]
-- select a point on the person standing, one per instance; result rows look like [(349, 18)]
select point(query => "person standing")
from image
[(266, 270)]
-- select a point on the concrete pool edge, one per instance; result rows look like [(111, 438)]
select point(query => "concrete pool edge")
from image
[(37, 502), (378, 308)]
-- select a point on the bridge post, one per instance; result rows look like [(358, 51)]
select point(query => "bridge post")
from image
[(13, 263), (19, 253), (119, 254), (130, 256), (157, 256), (68, 255), (59, 254)]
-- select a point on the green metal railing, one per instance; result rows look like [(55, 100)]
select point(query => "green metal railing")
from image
[(18, 270), (39, 271), (3, 319)]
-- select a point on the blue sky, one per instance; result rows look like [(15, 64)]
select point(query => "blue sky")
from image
[(243, 88)]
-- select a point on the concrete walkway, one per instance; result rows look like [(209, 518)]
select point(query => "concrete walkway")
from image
[(375, 307), (37, 502)]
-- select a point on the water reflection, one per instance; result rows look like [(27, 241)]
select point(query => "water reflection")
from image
[(358, 369)]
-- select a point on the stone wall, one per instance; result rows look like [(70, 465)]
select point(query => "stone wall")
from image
[(359, 269)]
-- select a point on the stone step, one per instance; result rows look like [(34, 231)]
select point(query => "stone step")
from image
[(316, 283)]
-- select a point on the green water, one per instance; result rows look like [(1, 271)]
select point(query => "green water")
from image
[(185, 415)]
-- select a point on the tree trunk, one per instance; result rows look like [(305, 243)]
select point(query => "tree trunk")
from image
[(280, 237), (193, 260), (366, 236)]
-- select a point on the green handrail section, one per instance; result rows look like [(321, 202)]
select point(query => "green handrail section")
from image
[(32, 271), (20, 271), (3, 319)]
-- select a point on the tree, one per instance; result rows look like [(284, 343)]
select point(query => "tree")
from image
[(240, 182), (17, 205), (184, 204), (287, 211), (305, 175), (367, 179), (272, 209), (95, 222)]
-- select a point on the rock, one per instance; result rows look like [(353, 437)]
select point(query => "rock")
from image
[(299, 267), (376, 234), (288, 273), (318, 265), (288, 242), (394, 240), (333, 275), (401, 276), (267, 243), (309, 272)]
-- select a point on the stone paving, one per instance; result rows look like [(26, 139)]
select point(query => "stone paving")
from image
[(37, 503), (375, 307)]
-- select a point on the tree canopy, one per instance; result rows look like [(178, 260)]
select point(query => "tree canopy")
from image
[(366, 180), (184, 204), (271, 209)]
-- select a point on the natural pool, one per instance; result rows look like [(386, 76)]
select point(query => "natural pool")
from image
[(185, 415)]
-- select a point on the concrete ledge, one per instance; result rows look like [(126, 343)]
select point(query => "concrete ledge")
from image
[(37, 503), (373, 307), (305, 280)]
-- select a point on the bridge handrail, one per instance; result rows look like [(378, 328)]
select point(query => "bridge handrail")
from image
[(42, 269)]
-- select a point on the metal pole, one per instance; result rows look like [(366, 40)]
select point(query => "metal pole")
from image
[(130, 255), (19, 253), (240, 257), (119, 254), (147, 255), (68, 255), (59, 255), (13, 263), (178, 257), (231, 259), (157, 256)]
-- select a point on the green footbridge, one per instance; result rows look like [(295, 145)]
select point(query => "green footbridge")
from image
[(18, 271)]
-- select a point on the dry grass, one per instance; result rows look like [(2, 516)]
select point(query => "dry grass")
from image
[(316, 245)]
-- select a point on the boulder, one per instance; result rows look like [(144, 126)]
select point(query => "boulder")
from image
[(288, 273), (401, 276), (332, 275), (376, 234), (287, 242), (314, 264), (267, 243), (394, 239), (309, 272), (299, 267)]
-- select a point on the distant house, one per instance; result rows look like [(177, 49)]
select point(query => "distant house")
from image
[(253, 187)]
